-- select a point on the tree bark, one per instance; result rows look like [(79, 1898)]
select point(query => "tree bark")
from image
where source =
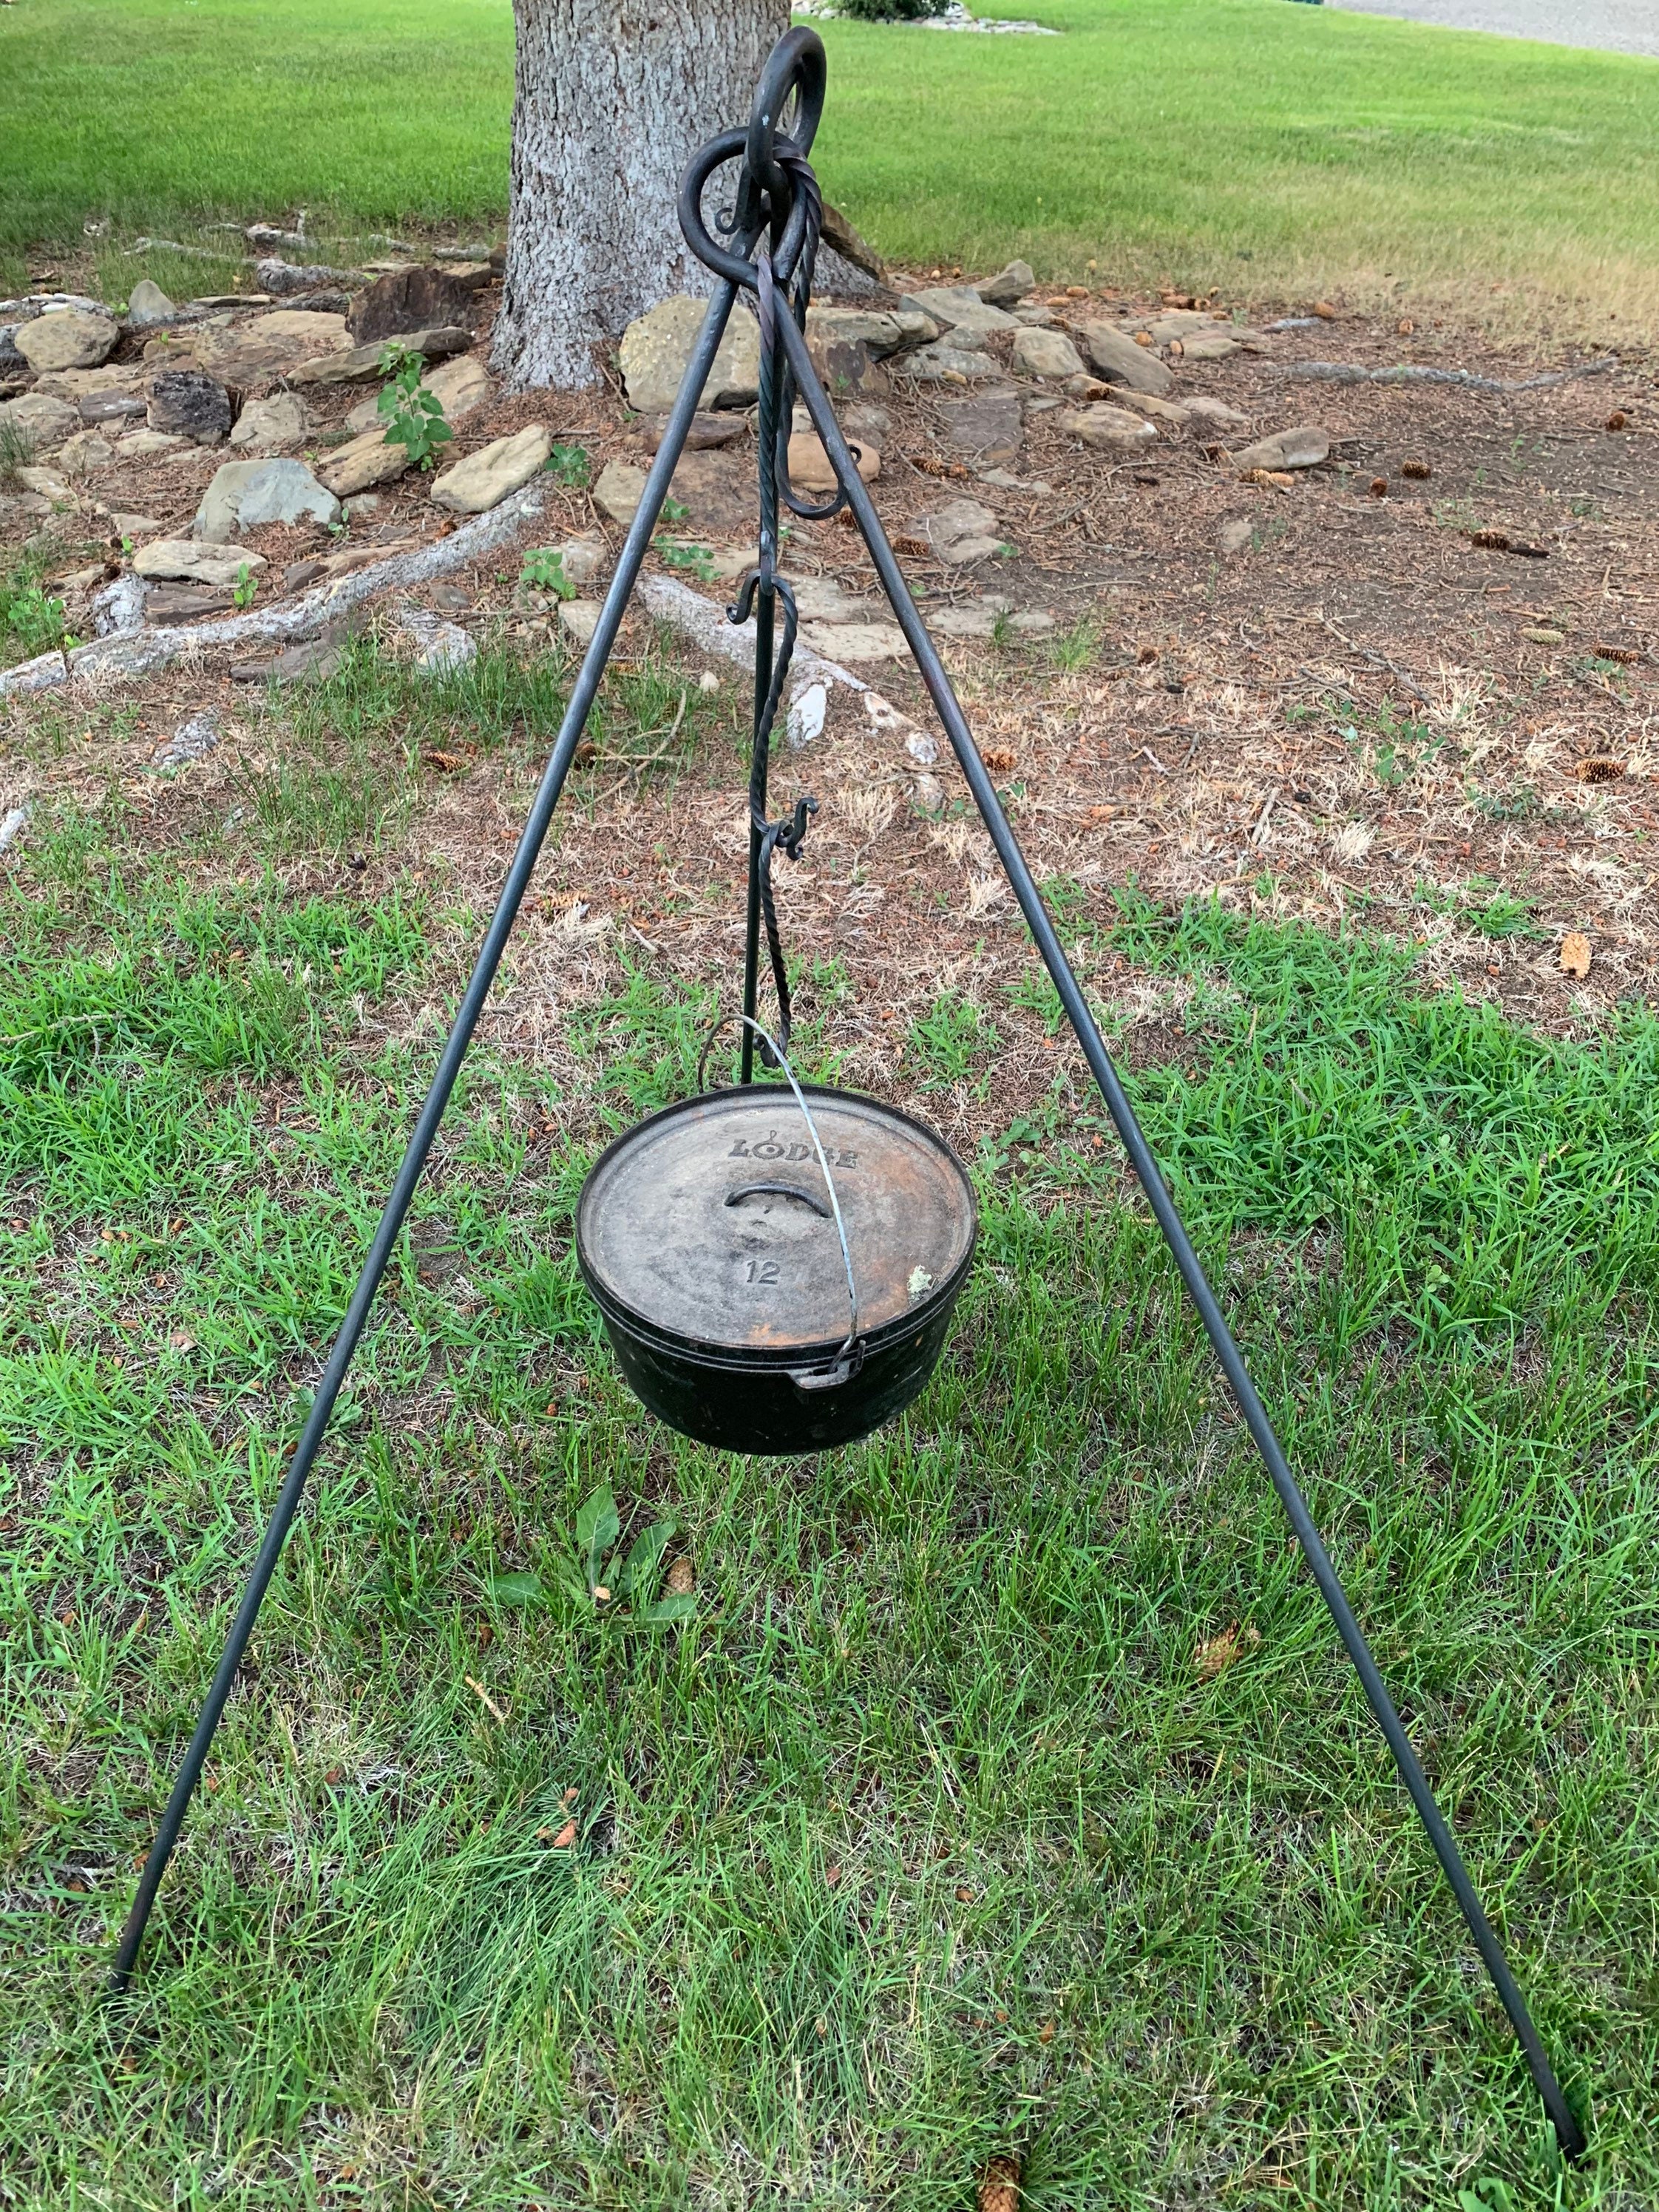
[(612, 97)]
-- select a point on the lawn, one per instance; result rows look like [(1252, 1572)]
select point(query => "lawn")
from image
[(1007, 1788), (1263, 148)]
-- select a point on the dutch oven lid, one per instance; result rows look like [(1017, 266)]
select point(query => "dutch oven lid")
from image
[(711, 1221)]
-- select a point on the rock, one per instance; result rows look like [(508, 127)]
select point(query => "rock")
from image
[(583, 557), (148, 304), (1121, 360), (67, 339), (809, 468), (484, 479), (959, 307), (313, 662), (580, 618), (363, 362), (460, 386), (657, 350), (1112, 430), (119, 606), (450, 599), (884, 332), (1215, 345), (76, 385), (417, 299), (1044, 353), (169, 607), (844, 369), (1216, 413), (1085, 386), (44, 422), (82, 454), (144, 444), (250, 494), (856, 642), (860, 420), (269, 425), (111, 406), (964, 531), (136, 526), (440, 646), (978, 618), (1034, 315), (184, 560), (1301, 447), (619, 490), (1177, 325), (243, 355), (947, 364), (717, 491), (707, 432), (1175, 412), (286, 278), (48, 484), (1009, 286), (187, 403), (192, 740), (367, 460), (989, 427), (827, 599), (1234, 534)]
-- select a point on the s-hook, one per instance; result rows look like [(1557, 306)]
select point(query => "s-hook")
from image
[(771, 235)]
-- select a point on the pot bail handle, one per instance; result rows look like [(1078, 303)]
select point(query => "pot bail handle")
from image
[(850, 1358)]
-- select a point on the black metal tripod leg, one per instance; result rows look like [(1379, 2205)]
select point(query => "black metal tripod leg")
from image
[(426, 1127), (1567, 2130)]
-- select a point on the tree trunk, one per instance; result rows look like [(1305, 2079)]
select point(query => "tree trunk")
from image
[(612, 97)]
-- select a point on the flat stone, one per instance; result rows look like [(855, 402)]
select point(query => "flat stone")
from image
[(989, 426), (44, 422), (49, 484), (959, 307), (67, 339), (619, 490), (440, 646), (1111, 429), (186, 560), (242, 355), (113, 407), (450, 599), (978, 618), (845, 369), (251, 495), (1214, 345), (144, 444), (1178, 322), (484, 479), (580, 618), (707, 432), (1303, 446), (810, 469), (948, 364), (148, 304), (882, 331), (827, 599), (1044, 353), (312, 662), (75, 385), (422, 298), (368, 459), (124, 524), (856, 642), (717, 491), (83, 453), (1234, 534), (361, 363), (187, 402), (1117, 358), (167, 605), (1086, 387), (1034, 315), (293, 279), (1009, 286), (1177, 413), (656, 351), (270, 425), (962, 532), (459, 384)]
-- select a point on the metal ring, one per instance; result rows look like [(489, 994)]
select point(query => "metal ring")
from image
[(765, 195)]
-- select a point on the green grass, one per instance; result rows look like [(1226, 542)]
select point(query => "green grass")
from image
[(925, 1838), (1241, 143)]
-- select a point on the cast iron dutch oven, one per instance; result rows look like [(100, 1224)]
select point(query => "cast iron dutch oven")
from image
[(709, 1237)]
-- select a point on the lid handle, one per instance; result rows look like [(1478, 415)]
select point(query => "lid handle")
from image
[(779, 1190)]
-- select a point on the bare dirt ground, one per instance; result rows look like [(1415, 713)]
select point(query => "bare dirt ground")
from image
[(1423, 703)]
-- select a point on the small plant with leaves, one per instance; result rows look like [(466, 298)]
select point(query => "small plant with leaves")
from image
[(16, 450), (543, 571), (414, 416), (614, 1584), (31, 619), (691, 560), (570, 465), (245, 590)]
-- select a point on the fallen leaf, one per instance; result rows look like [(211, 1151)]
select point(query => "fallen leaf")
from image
[(1280, 479), (1100, 813), (1143, 339), (832, 1875), (566, 1837), (682, 1578), (1379, 487), (1598, 769), (964, 1895), (1215, 1655), (601, 1594), (1575, 955), (181, 1340), (1404, 328), (1618, 420), (1046, 2032), (999, 2186), (1323, 309)]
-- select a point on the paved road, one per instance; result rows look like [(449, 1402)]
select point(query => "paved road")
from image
[(1626, 26)]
